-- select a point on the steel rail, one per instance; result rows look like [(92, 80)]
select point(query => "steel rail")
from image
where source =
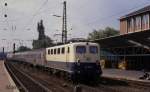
[(33, 80), (14, 76)]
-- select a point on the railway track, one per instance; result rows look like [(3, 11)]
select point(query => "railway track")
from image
[(122, 85), (115, 85), (52, 83), (24, 82), (105, 85)]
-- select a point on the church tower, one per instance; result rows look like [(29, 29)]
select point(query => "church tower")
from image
[(41, 31)]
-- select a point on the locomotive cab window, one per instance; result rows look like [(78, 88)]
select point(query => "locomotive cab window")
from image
[(80, 49), (93, 49)]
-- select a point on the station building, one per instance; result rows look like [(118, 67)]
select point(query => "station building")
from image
[(131, 49)]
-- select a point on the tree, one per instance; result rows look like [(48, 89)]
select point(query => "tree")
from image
[(43, 41), (23, 48), (47, 42), (102, 33)]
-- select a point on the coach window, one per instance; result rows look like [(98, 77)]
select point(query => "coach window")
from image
[(51, 51), (63, 50), (58, 51), (54, 51)]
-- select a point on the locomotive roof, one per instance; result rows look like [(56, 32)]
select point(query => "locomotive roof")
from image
[(43, 49), (75, 43), (34, 51)]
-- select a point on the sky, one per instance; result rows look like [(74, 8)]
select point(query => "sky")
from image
[(83, 16)]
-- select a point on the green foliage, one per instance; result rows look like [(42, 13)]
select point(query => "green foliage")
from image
[(23, 48), (43, 41), (47, 42), (103, 33)]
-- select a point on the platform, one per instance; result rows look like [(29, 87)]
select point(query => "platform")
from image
[(124, 74), (6, 82)]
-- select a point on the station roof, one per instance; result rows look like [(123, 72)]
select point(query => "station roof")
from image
[(138, 39), (140, 11)]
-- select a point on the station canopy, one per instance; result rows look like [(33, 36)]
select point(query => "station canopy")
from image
[(138, 39)]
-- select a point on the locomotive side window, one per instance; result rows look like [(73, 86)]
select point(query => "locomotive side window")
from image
[(58, 51), (63, 50), (54, 51), (93, 49), (68, 50), (81, 49), (51, 51)]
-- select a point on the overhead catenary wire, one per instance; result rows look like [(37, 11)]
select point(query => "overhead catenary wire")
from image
[(88, 24), (35, 15)]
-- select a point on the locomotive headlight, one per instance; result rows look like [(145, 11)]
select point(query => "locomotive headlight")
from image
[(78, 62)]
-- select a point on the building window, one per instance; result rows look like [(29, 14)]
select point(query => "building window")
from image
[(138, 23), (130, 25), (145, 21)]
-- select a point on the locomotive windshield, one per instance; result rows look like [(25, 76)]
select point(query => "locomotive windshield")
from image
[(81, 49), (93, 49)]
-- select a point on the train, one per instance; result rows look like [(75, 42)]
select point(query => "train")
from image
[(78, 60)]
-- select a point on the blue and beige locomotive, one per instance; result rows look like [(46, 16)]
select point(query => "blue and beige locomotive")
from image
[(79, 60)]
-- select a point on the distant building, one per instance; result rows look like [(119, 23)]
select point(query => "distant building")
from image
[(136, 21), (41, 30), (131, 49)]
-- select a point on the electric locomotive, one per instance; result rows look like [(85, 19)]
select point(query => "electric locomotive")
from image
[(80, 60)]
